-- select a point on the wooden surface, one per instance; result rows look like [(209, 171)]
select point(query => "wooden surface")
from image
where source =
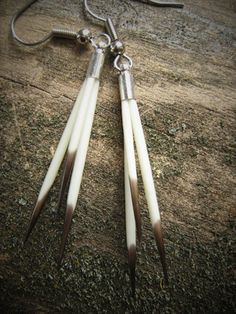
[(184, 69)]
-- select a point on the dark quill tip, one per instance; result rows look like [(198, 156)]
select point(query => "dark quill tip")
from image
[(70, 158), (136, 207), (37, 210), (132, 265), (67, 224), (161, 249)]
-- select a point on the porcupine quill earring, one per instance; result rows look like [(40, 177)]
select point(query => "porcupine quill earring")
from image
[(133, 131), (76, 135)]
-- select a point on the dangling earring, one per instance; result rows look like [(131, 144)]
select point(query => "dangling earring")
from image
[(75, 138), (133, 131), (132, 128)]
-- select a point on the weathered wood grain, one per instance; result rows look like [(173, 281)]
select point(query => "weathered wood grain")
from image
[(184, 69)]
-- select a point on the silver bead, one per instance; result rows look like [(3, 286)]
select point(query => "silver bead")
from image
[(83, 36), (117, 47)]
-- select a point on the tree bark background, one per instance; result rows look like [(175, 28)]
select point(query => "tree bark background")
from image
[(184, 70)]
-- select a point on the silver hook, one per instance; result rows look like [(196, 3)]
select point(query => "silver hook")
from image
[(60, 33), (152, 2), (109, 25), (91, 12), (166, 4), (13, 21), (83, 36)]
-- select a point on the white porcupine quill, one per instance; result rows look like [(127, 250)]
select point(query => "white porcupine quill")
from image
[(79, 163), (131, 164), (76, 135), (148, 181), (130, 225), (132, 127), (55, 163), (79, 142)]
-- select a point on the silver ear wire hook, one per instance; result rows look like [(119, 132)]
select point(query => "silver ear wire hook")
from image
[(151, 2), (13, 21), (109, 24), (110, 27), (83, 36), (165, 4), (117, 46), (91, 12), (60, 33)]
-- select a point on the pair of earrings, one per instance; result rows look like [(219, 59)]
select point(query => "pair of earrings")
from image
[(74, 141)]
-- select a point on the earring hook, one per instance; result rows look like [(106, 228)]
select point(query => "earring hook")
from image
[(60, 33), (151, 2), (83, 36), (165, 4), (109, 25), (13, 21), (91, 12)]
